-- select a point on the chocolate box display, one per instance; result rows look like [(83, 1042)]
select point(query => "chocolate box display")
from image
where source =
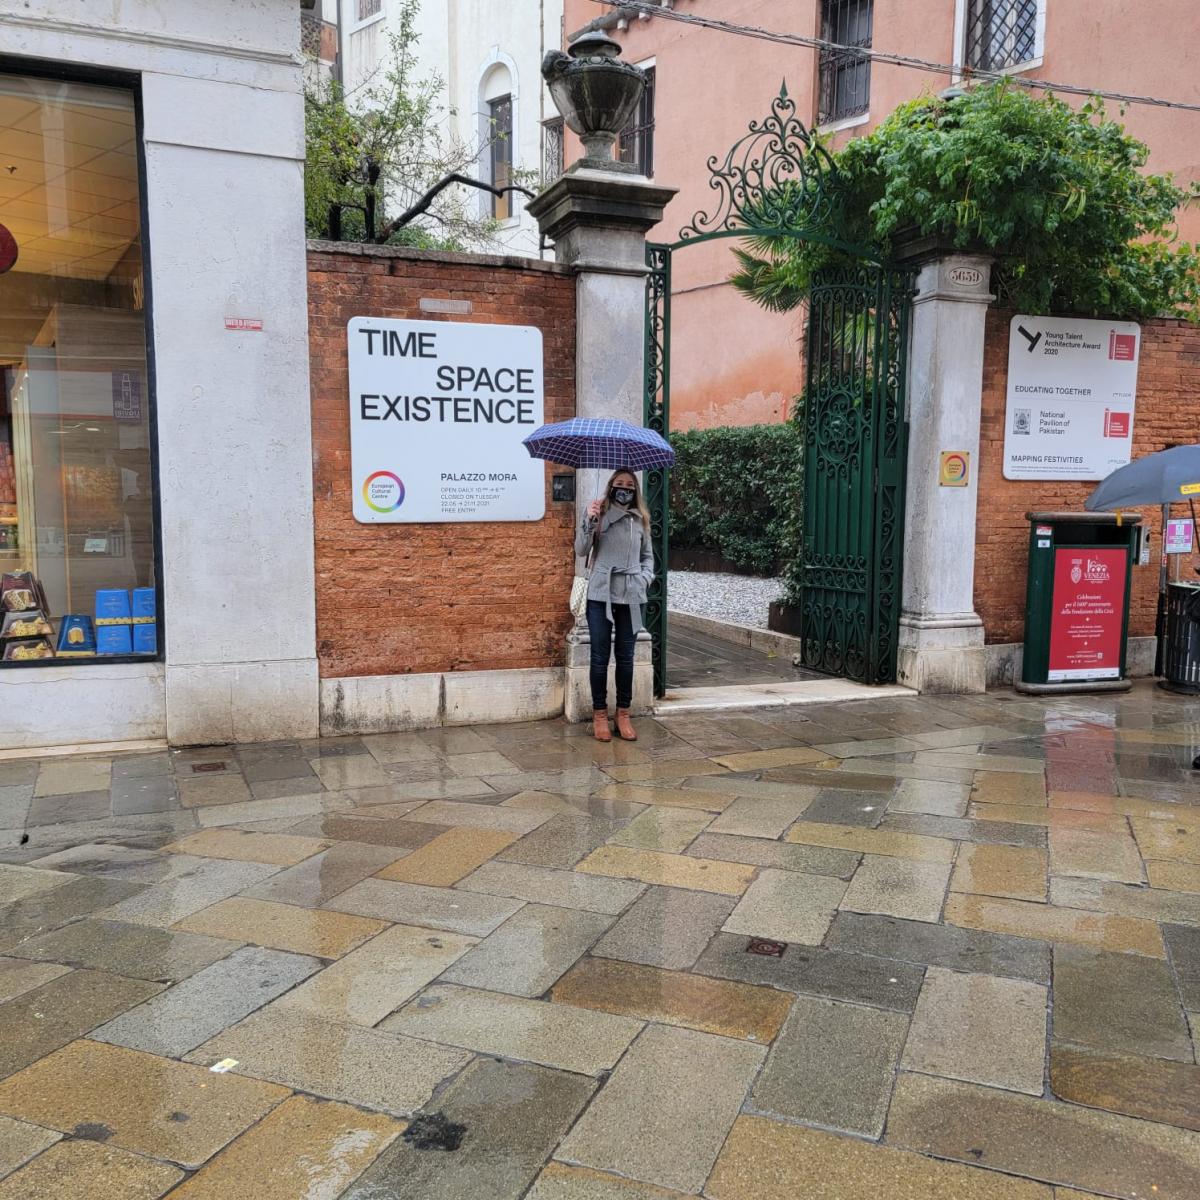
[(28, 650), (112, 606), (113, 639), (145, 639), (76, 637), (25, 625), (144, 606), (21, 592)]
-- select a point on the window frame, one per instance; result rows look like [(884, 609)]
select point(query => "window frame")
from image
[(129, 81), (356, 22), (831, 65), (640, 134), (553, 128), (495, 139), (964, 71)]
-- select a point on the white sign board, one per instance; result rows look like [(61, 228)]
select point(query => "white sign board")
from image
[(438, 411), (1071, 389), (1178, 539)]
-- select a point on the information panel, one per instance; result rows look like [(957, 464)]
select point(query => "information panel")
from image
[(1086, 614), (438, 412), (1071, 389)]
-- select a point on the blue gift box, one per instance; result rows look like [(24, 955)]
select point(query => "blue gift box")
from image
[(76, 637), (112, 604), (113, 639), (145, 639), (143, 603)]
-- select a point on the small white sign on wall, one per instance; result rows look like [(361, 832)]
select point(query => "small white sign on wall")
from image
[(1072, 384), (438, 413)]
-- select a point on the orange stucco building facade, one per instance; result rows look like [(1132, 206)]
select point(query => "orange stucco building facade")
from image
[(734, 364)]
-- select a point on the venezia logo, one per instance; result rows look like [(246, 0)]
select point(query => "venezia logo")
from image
[(1097, 572)]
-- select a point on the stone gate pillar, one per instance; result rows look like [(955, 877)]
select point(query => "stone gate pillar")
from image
[(598, 219), (941, 641)]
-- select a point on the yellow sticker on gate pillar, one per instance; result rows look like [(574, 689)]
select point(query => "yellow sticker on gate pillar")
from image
[(955, 468), (1189, 489)]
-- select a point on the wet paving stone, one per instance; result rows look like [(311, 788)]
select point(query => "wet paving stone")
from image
[(996, 787), (763, 817), (370, 831), (334, 1059), (897, 887), (144, 794), (449, 857), (75, 806), (43, 1019), (638, 793), (24, 919), (18, 882), (526, 954), (1125, 935), (835, 806), (666, 927), (437, 908), (979, 1028), (787, 906), (374, 980), (73, 777), (966, 829), (1055, 1143), (561, 889), (244, 812), (930, 797), (318, 879), (563, 840), (200, 791), (671, 830), (1183, 945), (1094, 855), (680, 1091), (1149, 904), (1123, 1003), (942, 946), (832, 1065), (20, 1142), (735, 1010), (1150, 1088), (873, 841), (136, 951), (1174, 842), (760, 852), (668, 870), (317, 932), (814, 970), (82, 1170), (304, 1148), (1173, 876), (561, 1182), (202, 1005), (1015, 872), (512, 1116), (275, 849), (555, 1035), (762, 760), (767, 1160), (104, 1088), (18, 976), (165, 904)]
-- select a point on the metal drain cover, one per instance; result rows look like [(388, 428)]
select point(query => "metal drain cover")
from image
[(205, 768), (766, 947)]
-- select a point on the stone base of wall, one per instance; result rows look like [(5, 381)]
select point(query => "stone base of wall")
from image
[(578, 698), (1004, 660), (394, 703)]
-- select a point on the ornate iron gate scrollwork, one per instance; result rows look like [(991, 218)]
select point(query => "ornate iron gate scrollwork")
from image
[(773, 183)]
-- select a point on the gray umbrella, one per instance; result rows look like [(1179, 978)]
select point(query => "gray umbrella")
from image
[(1168, 477)]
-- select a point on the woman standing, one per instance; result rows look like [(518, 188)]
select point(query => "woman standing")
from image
[(615, 532)]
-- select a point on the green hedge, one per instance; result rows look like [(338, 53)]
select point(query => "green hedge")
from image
[(736, 492)]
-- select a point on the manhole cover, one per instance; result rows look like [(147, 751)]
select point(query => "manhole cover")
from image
[(766, 947), (206, 768)]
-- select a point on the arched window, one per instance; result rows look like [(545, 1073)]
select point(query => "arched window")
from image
[(497, 104)]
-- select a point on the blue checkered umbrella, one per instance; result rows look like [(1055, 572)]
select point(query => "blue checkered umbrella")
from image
[(603, 444)]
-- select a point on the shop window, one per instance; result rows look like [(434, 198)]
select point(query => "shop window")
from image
[(500, 118), (637, 140), (77, 508), (844, 76), (1002, 34)]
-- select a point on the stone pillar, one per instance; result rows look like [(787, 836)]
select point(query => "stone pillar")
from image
[(598, 221), (941, 636)]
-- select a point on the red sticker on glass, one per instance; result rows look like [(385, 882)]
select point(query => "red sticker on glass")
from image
[(8, 250)]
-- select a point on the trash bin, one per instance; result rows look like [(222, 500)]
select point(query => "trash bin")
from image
[(1077, 601), (1181, 655)]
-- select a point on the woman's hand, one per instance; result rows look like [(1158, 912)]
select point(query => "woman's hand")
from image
[(594, 509)]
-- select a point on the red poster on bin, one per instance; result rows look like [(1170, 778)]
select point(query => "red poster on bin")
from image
[(1086, 612)]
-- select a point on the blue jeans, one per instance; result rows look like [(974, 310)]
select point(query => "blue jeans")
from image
[(600, 629)]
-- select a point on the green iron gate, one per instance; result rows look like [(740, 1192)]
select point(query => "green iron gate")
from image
[(772, 183)]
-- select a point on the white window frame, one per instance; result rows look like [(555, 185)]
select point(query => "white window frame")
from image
[(960, 43), (353, 24), (483, 123)]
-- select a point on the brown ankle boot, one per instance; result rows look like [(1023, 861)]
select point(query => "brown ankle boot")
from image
[(625, 726), (600, 727)]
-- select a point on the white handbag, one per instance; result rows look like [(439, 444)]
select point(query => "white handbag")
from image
[(579, 585)]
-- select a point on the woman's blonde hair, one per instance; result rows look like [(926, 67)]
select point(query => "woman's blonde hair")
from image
[(638, 502)]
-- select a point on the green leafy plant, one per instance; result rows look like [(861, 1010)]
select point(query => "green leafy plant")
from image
[(735, 491), (373, 151), (1058, 196)]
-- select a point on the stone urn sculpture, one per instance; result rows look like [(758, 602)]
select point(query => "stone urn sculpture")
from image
[(596, 93)]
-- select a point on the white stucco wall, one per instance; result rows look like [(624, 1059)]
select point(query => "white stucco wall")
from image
[(459, 41), (221, 85)]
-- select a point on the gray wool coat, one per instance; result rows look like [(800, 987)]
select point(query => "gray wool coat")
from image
[(624, 563)]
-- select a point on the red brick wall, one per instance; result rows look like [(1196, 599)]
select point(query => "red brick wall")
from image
[(394, 599), (1167, 411)]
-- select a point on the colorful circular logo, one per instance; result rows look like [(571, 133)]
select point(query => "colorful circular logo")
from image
[(383, 492)]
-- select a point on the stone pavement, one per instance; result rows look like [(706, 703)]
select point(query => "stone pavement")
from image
[(922, 949)]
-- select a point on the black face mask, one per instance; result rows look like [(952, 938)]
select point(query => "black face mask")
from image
[(622, 496)]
